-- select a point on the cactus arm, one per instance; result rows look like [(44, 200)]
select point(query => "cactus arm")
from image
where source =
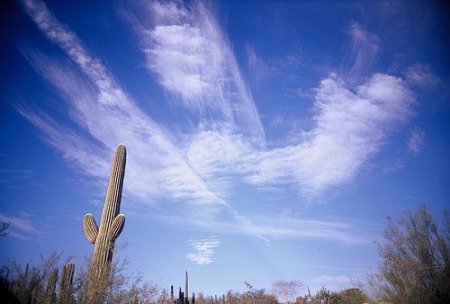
[(90, 228), (116, 227)]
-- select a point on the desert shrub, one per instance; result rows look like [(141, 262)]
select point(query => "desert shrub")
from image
[(415, 260)]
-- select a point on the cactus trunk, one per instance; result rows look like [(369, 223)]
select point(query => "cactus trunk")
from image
[(186, 290), (65, 291), (111, 225), (51, 287)]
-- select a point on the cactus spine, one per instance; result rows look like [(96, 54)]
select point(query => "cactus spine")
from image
[(111, 225)]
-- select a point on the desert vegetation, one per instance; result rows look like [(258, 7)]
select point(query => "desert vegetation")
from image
[(52, 283), (414, 268), (56, 282), (415, 257)]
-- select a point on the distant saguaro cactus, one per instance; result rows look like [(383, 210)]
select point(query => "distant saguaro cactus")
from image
[(111, 225), (65, 287), (51, 287), (186, 290)]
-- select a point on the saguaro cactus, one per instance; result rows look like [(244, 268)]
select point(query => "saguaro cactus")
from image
[(65, 287), (51, 287), (186, 290), (111, 225)]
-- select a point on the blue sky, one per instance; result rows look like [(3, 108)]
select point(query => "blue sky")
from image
[(266, 140)]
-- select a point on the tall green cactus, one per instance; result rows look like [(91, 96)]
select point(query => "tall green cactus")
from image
[(111, 225)]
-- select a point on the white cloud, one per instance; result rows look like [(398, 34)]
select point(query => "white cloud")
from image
[(204, 250), (415, 141), (225, 148), (220, 157), (273, 226), (73, 147), (100, 106), (289, 227), (21, 227), (334, 283), (421, 75), (256, 66), (195, 63), (364, 50), (350, 126)]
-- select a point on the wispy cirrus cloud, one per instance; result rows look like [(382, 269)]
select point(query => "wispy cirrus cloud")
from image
[(256, 65), (225, 146), (21, 227), (350, 126), (74, 148), (363, 53), (283, 226), (204, 250), (337, 282), (415, 141), (193, 60), (421, 75), (107, 115), (290, 227)]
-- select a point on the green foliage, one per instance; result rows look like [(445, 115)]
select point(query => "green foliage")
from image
[(40, 284), (251, 296), (118, 287), (347, 296), (322, 296), (350, 296), (415, 257), (53, 283), (30, 284), (257, 296)]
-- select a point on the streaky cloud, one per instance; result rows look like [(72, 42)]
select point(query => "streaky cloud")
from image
[(350, 126), (110, 116), (204, 250), (220, 157), (363, 52), (416, 141), (421, 75), (72, 147), (193, 61), (256, 65), (281, 226), (21, 227)]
